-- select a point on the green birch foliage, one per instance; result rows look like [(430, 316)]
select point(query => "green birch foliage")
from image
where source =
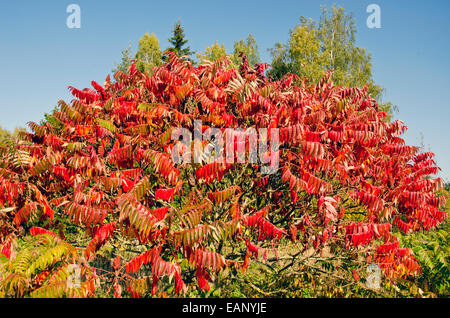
[(249, 48), (213, 52), (314, 48), (149, 53)]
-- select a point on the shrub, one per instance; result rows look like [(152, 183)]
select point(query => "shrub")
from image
[(101, 177)]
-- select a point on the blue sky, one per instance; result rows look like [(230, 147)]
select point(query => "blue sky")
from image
[(40, 56)]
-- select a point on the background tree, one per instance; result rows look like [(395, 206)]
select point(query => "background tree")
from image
[(7, 136), (127, 57), (280, 61), (249, 48), (314, 48), (213, 52), (4, 133), (178, 42), (149, 53)]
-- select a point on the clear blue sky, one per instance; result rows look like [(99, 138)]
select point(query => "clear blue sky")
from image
[(40, 56)]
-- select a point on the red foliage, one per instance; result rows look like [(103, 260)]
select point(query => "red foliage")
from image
[(110, 170)]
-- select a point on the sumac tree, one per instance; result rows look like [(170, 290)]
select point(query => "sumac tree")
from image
[(104, 178)]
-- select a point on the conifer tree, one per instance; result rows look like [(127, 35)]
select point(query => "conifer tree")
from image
[(126, 60), (178, 42)]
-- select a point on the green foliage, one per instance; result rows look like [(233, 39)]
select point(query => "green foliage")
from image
[(53, 121), (4, 134), (178, 42), (280, 61), (126, 60), (249, 48), (8, 138), (287, 275), (149, 53), (433, 253), (40, 267), (213, 52), (315, 48)]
